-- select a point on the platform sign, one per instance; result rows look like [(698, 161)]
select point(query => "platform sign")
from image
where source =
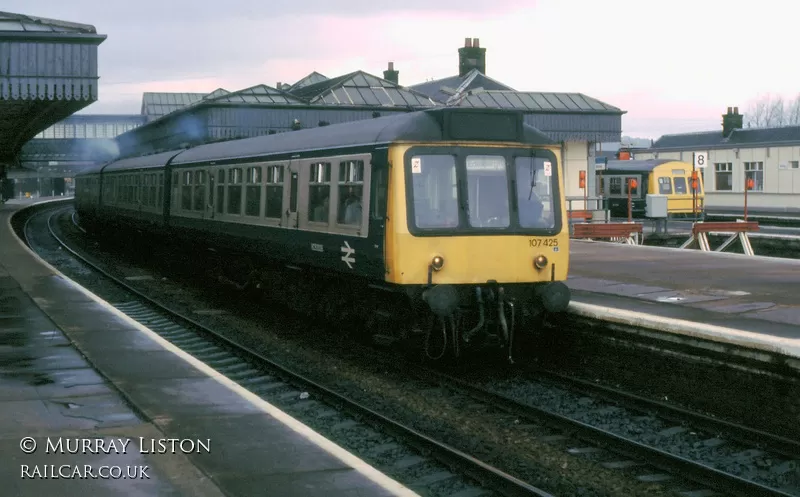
[(548, 168), (700, 160), (600, 163)]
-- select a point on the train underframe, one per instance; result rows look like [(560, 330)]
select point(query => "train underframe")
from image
[(443, 321)]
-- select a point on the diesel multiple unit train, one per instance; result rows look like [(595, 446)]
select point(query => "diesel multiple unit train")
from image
[(446, 227)]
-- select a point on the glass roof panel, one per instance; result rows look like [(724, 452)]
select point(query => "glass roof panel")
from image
[(368, 95), (542, 102), (382, 96)]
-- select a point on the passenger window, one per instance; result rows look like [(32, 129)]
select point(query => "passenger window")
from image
[(252, 198), (435, 191), (487, 183), (160, 191), (351, 192), (274, 192), (664, 186), (615, 186), (235, 191), (221, 191), (680, 185), (200, 190), (319, 191), (146, 189), (186, 191)]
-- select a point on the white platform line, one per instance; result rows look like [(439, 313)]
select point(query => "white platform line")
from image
[(335, 450)]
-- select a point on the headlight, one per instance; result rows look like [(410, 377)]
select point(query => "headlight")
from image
[(437, 263), (540, 262)]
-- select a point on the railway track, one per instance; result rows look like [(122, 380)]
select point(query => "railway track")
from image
[(632, 451), (435, 468), (299, 395)]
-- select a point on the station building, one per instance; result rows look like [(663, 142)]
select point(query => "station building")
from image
[(768, 156), (48, 71), (186, 119), (175, 120)]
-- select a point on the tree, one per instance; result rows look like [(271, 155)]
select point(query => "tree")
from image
[(771, 112)]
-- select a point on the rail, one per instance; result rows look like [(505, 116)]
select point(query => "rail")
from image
[(191, 329), (526, 413)]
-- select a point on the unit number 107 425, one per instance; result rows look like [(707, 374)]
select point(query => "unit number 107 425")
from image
[(543, 242)]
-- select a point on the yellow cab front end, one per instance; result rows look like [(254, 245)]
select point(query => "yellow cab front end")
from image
[(676, 181), (477, 217)]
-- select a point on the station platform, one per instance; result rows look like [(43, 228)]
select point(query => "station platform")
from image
[(732, 298), (83, 387)]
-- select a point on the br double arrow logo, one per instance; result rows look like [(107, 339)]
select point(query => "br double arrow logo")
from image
[(348, 252)]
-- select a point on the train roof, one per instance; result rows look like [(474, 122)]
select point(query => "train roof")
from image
[(636, 165), (141, 162), (427, 125)]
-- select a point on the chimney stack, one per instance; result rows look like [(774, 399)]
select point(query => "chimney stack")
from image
[(471, 56), (731, 121), (391, 75)]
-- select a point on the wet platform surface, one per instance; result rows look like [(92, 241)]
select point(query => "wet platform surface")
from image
[(73, 370), (755, 294)]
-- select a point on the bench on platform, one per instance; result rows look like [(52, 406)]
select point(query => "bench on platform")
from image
[(739, 229), (725, 227), (584, 215), (624, 231)]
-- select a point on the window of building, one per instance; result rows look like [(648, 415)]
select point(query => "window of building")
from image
[(274, 203), (755, 171), (351, 192), (794, 164), (235, 191), (723, 176), (319, 191), (252, 194)]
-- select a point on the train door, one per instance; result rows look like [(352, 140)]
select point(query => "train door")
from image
[(292, 180)]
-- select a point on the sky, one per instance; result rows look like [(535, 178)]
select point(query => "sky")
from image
[(673, 66)]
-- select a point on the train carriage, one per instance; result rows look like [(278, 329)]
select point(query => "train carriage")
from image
[(447, 224), (653, 176)]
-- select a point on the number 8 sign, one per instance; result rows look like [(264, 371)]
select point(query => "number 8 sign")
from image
[(700, 160)]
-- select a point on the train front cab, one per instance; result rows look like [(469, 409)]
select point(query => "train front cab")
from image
[(673, 179), (477, 235)]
